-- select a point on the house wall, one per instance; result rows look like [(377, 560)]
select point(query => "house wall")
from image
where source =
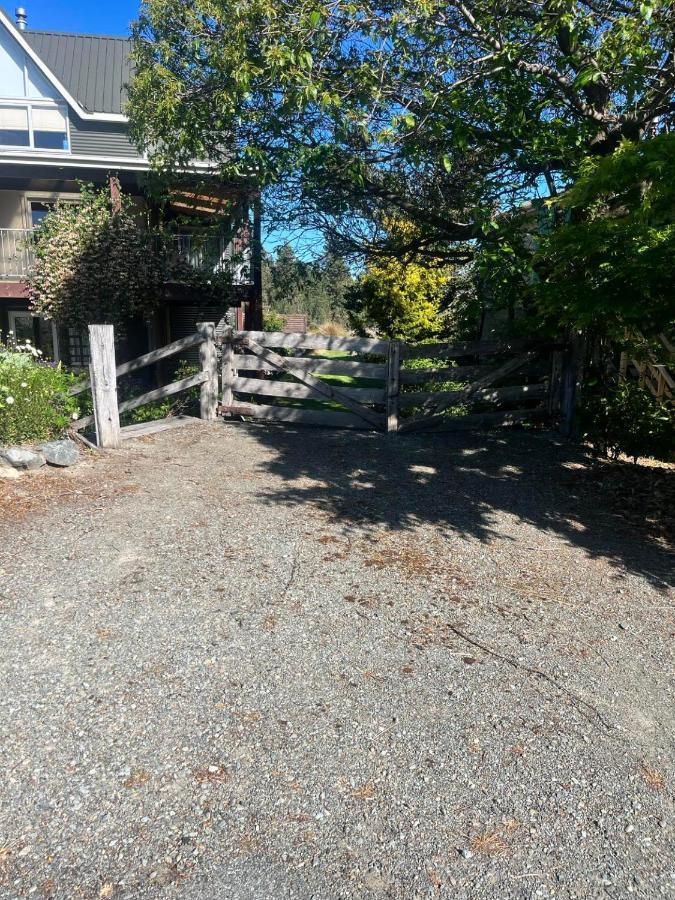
[(12, 209), (100, 139)]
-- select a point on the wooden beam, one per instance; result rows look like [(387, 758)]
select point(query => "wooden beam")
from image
[(294, 390), (208, 358), (165, 391), (145, 360), (103, 379), (432, 411), (314, 341), (482, 420), (447, 373), (393, 385), (472, 348), (488, 395), (327, 390), (229, 370), (318, 417), (249, 363)]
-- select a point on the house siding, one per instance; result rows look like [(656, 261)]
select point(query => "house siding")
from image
[(100, 139)]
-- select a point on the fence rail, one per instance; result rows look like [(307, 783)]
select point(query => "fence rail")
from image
[(103, 374)]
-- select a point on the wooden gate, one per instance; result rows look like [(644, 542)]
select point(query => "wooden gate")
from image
[(313, 380), (386, 385), (478, 384)]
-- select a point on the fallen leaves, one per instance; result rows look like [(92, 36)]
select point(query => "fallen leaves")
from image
[(211, 775), (364, 792), (137, 778), (652, 776), (490, 844)]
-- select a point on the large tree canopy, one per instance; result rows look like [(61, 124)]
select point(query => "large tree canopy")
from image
[(439, 112)]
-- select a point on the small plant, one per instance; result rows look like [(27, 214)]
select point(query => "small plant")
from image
[(272, 321), (177, 405), (34, 400), (627, 418)]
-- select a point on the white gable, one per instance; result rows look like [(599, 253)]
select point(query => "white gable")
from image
[(23, 75), (19, 76)]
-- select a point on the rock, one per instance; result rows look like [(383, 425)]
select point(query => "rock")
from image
[(22, 459), (7, 470), (61, 453)]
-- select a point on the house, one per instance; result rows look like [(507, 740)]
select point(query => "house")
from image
[(63, 122)]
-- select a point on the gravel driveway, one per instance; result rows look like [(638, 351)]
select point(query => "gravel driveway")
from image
[(247, 662)]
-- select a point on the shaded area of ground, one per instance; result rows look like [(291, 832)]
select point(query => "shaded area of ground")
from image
[(464, 482), (245, 662)]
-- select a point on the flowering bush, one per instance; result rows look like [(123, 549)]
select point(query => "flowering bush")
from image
[(94, 263), (34, 400)]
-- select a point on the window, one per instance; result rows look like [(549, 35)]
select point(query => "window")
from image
[(38, 211), (32, 114), (14, 130), (23, 325), (42, 126), (50, 128), (78, 348)]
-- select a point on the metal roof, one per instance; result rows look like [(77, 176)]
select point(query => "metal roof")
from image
[(93, 68)]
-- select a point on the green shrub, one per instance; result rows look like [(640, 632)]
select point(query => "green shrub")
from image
[(272, 321), (176, 405), (34, 400), (628, 419)]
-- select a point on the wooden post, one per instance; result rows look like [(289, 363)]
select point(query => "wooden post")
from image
[(555, 382), (393, 384), (572, 381), (229, 371), (115, 194), (208, 400), (103, 375)]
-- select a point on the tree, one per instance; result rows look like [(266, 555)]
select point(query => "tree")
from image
[(94, 263), (401, 300), (611, 267), (316, 288), (444, 113)]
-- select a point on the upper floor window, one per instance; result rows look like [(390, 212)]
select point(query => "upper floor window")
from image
[(32, 114), (33, 125)]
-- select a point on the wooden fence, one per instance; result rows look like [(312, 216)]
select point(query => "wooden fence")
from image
[(385, 385), (340, 382), (103, 375)]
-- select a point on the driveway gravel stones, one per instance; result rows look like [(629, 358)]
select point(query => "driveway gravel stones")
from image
[(248, 662)]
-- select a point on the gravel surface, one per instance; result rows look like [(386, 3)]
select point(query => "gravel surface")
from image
[(248, 662)]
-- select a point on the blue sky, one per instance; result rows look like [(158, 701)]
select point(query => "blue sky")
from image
[(90, 16)]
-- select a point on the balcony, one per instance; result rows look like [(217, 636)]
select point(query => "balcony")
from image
[(206, 253), (16, 257)]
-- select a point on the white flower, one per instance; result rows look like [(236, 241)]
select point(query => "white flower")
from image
[(73, 416), (9, 400), (24, 384)]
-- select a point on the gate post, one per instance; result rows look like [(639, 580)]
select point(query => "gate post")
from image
[(393, 384), (103, 377), (229, 372), (208, 398)]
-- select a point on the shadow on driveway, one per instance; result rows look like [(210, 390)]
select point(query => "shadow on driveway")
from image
[(461, 482)]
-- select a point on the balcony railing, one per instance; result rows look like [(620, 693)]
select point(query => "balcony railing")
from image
[(16, 257), (206, 253), (212, 254)]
